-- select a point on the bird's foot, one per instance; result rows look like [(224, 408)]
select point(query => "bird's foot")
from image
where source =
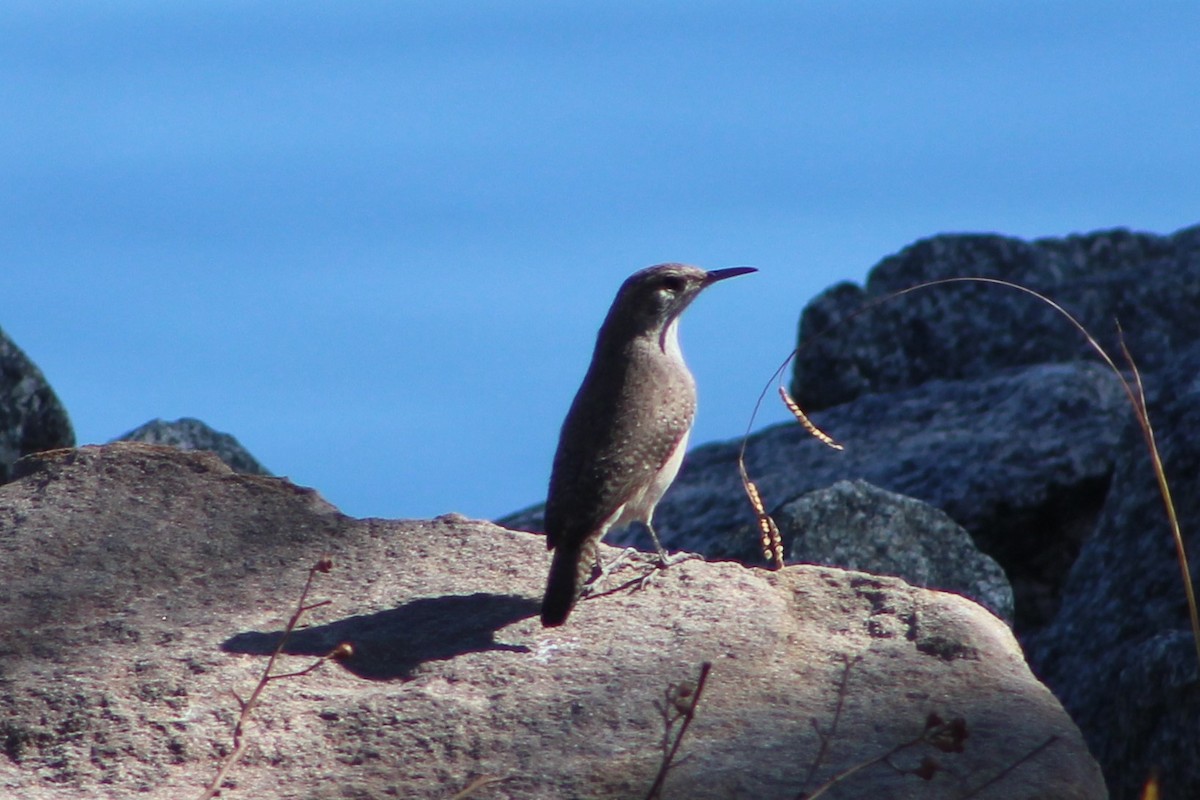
[(601, 572), (649, 563), (666, 560)]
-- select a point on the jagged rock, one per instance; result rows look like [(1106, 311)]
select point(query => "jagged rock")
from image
[(1150, 283), (1120, 653), (987, 404), (192, 434), (31, 416), (858, 526), (116, 683), (1020, 459)]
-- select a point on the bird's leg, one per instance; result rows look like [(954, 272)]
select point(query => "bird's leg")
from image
[(651, 563), (600, 570), (665, 560)]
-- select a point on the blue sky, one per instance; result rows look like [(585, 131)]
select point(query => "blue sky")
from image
[(374, 240)]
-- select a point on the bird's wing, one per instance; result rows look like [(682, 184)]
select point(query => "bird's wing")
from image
[(614, 441)]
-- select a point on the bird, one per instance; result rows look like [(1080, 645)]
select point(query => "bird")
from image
[(624, 437)]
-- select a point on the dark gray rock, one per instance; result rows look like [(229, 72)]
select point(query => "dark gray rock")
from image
[(1021, 460), (31, 417), (1120, 653), (989, 405), (858, 526), (192, 434), (1150, 283)]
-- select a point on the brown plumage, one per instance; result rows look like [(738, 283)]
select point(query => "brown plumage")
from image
[(624, 437)]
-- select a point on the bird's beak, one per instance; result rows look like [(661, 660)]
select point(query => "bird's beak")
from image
[(721, 274)]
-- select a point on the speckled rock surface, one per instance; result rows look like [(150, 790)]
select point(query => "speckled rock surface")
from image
[(1147, 282), (125, 636), (1021, 460), (858, 526), (986, 403)]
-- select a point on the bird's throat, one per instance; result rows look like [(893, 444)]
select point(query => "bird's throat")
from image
[(668, 340)]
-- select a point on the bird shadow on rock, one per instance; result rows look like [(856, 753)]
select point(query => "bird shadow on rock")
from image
[(392, 644)]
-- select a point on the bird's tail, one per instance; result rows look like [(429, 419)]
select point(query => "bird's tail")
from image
[(568, 571)]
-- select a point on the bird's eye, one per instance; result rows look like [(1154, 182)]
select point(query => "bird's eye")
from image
[(673, 284)]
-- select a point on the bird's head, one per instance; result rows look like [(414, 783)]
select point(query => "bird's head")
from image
[(652, 298)]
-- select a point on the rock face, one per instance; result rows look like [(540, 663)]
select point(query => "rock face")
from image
[(1119, 651), (1150, 283), (1021, 459), (856, 525), (142, 584), (31, 417), (982, 401), (1120, 654), (192, 434), (124, 637)]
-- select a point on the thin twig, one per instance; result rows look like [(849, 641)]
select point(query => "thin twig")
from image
[(686, 708), (1004, 772), (1134, 393), (1160, 474), (947, 737), (247, 706), (1136, 396), (479, 783), (826, 738)]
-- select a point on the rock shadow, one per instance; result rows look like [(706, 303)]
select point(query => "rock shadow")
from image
[(392, 644)]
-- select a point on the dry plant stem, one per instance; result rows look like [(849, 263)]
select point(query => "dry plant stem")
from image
[(479, 783), (772, 542), (1002, 774), (826, 738), (1134, 393), (805, 422), (248, 705), (1160, 474), (669, 751), (1136, 396), (844, 774), (769, 537), (944, 736)]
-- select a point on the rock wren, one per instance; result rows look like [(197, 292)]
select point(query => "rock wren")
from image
[(624, 437)]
